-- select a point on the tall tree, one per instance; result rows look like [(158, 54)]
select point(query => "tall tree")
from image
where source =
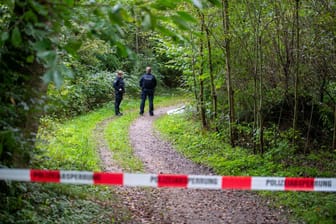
[(211, 72), (193, 68), (261, 93), (226, 27), (255, 18), (297, 65), (201, 79), (334, 132)]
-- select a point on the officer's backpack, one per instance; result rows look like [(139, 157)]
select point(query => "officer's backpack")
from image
[(148, 82)]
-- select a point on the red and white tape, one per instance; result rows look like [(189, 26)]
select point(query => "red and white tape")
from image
[(171, 180)]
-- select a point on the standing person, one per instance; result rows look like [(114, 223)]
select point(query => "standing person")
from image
[(147, 84), (119, 89)]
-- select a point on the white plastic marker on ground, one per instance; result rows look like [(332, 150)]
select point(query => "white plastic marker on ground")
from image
[(179, 110), (171, 180)]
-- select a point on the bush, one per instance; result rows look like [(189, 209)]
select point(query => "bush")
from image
[(81, 95)]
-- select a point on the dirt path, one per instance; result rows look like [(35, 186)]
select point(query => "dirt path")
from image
[(183, 205)]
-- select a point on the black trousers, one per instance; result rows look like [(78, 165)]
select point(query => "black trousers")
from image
[(144, 95), (118, 99)]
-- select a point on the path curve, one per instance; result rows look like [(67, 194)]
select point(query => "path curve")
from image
[(150, 205), (190, 205)]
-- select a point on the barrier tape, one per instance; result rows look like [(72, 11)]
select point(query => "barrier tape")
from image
[(171, 180)]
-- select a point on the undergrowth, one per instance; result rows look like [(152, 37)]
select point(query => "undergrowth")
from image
[(51, 203), (208, 148)]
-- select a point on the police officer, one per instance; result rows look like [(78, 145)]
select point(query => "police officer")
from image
[(119, 87), (147, 84)]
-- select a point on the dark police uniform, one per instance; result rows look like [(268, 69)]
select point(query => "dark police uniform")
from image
[(147, 84), (119, 87)]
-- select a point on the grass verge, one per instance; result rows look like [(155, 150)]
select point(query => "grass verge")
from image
[(207, 148), (65, 145)]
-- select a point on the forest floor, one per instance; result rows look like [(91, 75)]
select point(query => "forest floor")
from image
[(150, 205)]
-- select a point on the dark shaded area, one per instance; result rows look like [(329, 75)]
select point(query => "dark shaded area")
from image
[(314, 127)]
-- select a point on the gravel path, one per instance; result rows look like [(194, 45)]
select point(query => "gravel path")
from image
[(148, 205)]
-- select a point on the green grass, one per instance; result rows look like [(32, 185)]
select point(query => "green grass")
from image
[(70, 145), (208, 148), (116, 134)]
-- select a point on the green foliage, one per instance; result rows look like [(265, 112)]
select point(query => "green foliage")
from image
[(50, 203), (81, 95), (175, 61), (13, 149), (312, 207), (209, 148), (263, 83), (27, 51), (18, 107)]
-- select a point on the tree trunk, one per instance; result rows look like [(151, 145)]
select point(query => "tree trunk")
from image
[(296, 77), (137, 38), (258, 89), (201, 97), (226, 25), (261, 118), (30, 91), (285, 58), (34, 85), (213, 88), (194, 71), (255, 110), (334, 134), (309, 128)]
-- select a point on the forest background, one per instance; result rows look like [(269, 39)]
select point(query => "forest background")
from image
[(261, 73)]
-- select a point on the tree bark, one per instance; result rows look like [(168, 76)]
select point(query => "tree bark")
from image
[(296, 77), (334, 134), (226, 26), (309, 127), (194, 71), (261, 117), (213, 88), (23, 95), (201, 97), (33, 85)]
